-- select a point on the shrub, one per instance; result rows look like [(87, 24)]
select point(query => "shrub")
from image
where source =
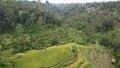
[(4, 63)]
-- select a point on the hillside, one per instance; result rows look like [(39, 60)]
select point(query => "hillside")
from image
[(46, 35), (64, 57)]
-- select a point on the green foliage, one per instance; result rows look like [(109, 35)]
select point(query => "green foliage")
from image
[(112, 39), (31, 25), (118, 64), (19, 29), (78, 25), (24, 14), (4, 63), (88, 66), (22, 44), (74, 48), (54, 41)]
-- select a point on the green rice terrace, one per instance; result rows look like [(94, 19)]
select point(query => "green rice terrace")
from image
[(70, 55)]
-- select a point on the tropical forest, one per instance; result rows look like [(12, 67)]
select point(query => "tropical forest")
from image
[(34, 34)]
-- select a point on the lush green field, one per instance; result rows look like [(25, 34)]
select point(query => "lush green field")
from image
[(97, 56), (42, 58), (63, 57)]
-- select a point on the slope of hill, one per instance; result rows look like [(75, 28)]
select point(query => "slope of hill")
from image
[(49, 57), (93, 56), (31, 31)]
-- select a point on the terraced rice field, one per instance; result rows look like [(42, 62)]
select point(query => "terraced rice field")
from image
[(98, 56), (50, 57), (94, 56)]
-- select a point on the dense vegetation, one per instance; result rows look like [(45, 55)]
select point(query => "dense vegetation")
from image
[(34, 26)]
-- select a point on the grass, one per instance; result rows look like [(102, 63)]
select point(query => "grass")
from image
[(97, 57), (43, 58), (78, 60), (57, 56), (6, 53), (88, 66)]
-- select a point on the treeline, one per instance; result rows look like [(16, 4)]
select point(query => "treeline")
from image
[(13, 13)]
